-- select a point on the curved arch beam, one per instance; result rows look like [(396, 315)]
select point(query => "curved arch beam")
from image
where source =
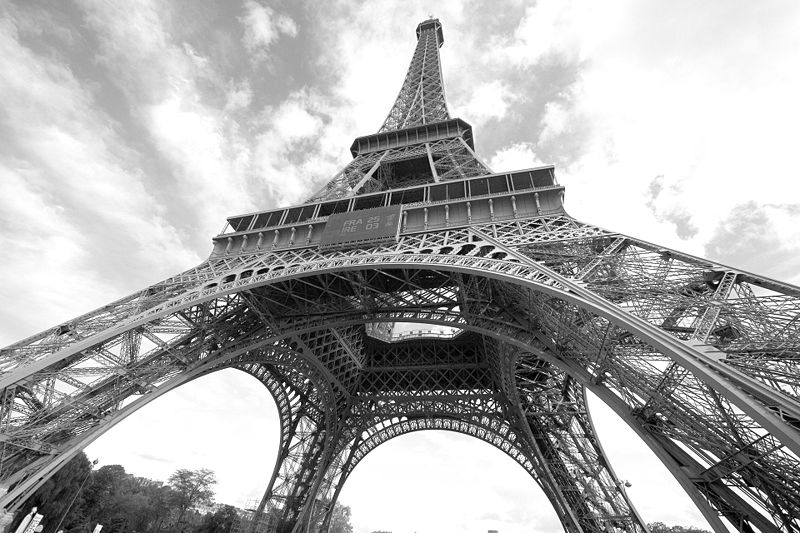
[(499, 437), (764, 414), (525, 341), (17, 495), (676, 468), (520, 340), (533, 276)]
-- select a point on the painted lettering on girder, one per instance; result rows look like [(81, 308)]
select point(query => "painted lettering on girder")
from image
[(380, 223)]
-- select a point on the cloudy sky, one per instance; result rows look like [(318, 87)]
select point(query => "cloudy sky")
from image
[(129, 130)]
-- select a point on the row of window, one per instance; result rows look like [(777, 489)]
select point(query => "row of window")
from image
[(439, 192)]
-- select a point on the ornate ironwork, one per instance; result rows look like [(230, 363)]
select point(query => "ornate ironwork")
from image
[(515, 310)]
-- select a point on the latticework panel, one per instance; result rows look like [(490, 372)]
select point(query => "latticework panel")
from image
[(421, 99), (517, 314), (523, 292), (404, 166)]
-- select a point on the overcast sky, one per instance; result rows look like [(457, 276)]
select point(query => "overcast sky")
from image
[(129, 130)]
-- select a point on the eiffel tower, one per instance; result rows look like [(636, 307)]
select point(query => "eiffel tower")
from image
[(420, 290)]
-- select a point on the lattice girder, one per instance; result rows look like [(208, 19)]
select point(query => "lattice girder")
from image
[(279, 355), (702, 360), (415, 295), (421, 99), (580, 494), (412, 164), (300, 422)]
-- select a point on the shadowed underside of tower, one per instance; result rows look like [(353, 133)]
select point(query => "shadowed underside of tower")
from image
[(418, 290)]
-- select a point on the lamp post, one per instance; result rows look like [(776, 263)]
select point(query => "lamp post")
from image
[(75, 497), (26, 520)]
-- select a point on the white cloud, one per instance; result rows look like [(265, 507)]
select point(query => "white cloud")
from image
[(238, 96), (701, 110), (558, 117), (209, 158), (297, 148), (263, 26), (49, 256), (553, 30), (754, 236), (293, 122), (136, 48), (489, 100), (517, 156), (71, 186)]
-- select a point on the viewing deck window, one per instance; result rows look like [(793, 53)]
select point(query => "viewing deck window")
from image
[(498, 184), (339, 206), (456, 190), (438, 193), (241, 224), (434, 193), (409, 196), (299, 214), (479, 187), (543, 177), (368, 202), (293, 215), (522, 181)]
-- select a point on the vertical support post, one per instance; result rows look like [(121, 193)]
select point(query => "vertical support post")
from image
[(430, 162)]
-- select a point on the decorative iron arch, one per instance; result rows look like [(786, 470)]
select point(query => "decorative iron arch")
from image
[(699, 358), (509, 273), (260, 365)]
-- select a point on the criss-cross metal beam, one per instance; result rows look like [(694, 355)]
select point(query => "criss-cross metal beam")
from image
[(489, 313)]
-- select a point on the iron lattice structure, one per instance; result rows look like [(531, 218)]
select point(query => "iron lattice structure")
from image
[(489, 312)]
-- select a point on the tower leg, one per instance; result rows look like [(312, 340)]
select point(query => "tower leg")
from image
[(298, 493), (302, 440), (564, 438), (549, 408)]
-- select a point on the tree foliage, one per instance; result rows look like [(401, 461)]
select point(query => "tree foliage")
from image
[(192, 488), (340, 519), (125, 503), (221, 521), (53, 498), (661, 527)]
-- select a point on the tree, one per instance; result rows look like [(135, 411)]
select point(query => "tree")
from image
[(105, 498), (192, 488), (661, 527), (222, 521), (124, 503), (54, 497), (340, 519), (161, 498)]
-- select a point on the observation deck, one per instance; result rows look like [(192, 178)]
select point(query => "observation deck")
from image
[(519, 195), (431, 24)]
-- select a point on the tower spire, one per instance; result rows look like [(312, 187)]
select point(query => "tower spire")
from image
[(419, 142), (421, 99)]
